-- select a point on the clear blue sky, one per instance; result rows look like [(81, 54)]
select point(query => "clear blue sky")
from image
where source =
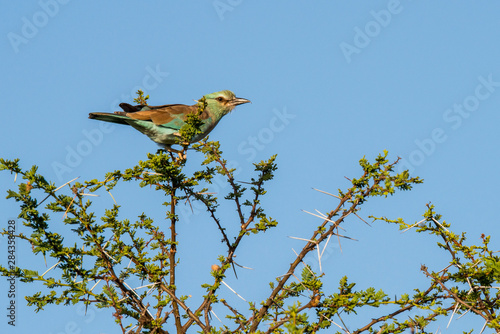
[(330, 82)]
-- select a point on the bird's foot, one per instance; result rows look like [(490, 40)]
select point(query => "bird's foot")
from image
[(181, 154)]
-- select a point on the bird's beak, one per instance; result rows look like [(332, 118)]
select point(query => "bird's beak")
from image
[(238, 100)]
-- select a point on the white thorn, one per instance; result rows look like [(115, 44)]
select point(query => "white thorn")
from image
[(239, 265), (111, 196), (94, 285), (463, 314), (451, 318), (87, 194), (320, 213), (319, 258), (412, 226), (484, 326), (216, 316), (329, 220), (233, 290), (326, 244), (50, 268), (440, 224), (66, 183), (314, 242), (324, 192)]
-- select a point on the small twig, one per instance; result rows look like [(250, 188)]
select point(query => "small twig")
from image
[(54, 191), (189, 201), (66, 212), (445, 268)]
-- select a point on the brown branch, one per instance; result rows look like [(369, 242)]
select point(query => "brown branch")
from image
[(305, 250), (395, 313), (488, 316), (285, 319), (231, 248), (173, 250), (236, 313), (233, 185), (163, 287), (454, 295), (212, 214), (318, 237)]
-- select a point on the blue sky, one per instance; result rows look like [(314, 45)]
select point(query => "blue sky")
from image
[(330, 82)]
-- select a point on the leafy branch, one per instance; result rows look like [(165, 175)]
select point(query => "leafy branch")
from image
[(112, 255)]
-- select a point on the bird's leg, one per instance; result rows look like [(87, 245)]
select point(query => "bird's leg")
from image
[(181, 154)]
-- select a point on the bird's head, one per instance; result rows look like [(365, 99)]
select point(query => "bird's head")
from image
[(223, 102)]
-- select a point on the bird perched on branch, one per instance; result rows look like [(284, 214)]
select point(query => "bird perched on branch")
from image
[(163, 123)]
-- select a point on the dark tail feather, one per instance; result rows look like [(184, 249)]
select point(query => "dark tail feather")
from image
[(108, 117), (130, 108)]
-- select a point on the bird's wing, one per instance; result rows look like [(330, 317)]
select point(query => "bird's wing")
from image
[(169, 115)]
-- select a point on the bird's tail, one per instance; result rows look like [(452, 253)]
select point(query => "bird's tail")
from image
[(109, 117)]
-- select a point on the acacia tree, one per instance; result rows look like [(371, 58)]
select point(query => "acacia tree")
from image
[(112, 253)]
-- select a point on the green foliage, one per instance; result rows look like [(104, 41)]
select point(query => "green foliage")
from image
[(470, 278), (141, 99), (111, 252), (108, 245), (193, 124)]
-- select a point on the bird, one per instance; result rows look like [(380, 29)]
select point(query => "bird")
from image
[(163, 123)]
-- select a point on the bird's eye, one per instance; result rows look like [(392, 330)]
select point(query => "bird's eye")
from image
[(220, 99)]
